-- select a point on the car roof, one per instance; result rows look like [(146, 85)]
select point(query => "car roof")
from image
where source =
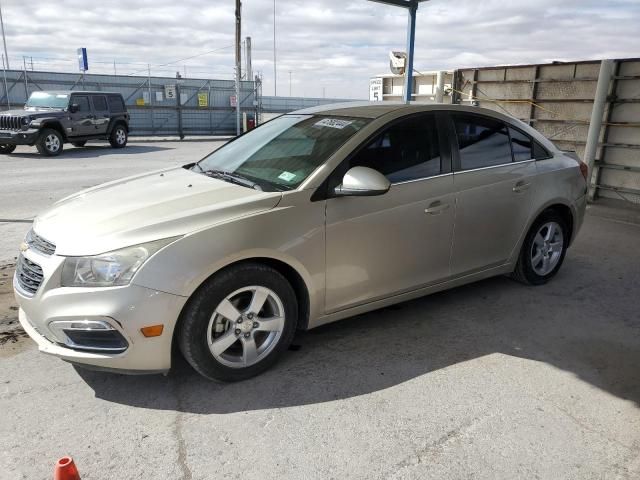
[(83, 92), (378, 109)]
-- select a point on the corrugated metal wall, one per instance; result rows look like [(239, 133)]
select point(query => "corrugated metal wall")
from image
[(157, 116), (557, 99)]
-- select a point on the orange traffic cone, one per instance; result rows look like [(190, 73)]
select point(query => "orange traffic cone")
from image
[(66, 470)]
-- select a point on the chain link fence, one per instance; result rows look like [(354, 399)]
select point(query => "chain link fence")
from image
[(158, 105)]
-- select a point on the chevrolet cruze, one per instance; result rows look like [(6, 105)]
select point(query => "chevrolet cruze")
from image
[(314, 216)]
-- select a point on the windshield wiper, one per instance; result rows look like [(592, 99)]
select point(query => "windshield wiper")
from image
[(232, 177)]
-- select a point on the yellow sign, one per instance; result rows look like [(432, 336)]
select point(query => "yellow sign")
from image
[(203, 100), (140, 101)]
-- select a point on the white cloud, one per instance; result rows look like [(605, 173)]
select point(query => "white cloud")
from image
[(335, 45)]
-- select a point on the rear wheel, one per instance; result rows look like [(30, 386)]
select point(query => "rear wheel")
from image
[(118, 137), (238, 323), (543, 250), (79, 144), (50, 143), (7, 148)]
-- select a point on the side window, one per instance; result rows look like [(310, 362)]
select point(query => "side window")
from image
[(539, 152), (521, 145), (99, 103), (408, 150), (83, 104), (115, 104), (482, 141)]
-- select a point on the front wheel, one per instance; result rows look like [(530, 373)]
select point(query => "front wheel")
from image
[(543, 250), (118, 137), (50, 143), (6, 148), (238, 323)]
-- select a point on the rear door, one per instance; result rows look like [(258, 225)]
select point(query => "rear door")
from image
[(101, 114), (82, 119), (494, 188)]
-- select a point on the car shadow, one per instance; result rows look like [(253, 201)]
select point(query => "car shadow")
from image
[(560, 324), (95, 151)]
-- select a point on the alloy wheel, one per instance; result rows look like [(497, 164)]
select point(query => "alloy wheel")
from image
[(546, 249), (246, 326), (52, 143)]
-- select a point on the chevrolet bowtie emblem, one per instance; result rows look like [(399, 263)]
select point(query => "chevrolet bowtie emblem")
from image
[(24, 246)]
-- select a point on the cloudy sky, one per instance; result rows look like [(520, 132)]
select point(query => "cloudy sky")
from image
[(330, 46)]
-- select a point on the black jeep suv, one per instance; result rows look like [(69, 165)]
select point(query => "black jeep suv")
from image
[(51, 119)]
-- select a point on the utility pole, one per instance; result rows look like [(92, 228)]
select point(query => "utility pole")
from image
[(238, 60), (248, 70), (275, 74), (4, 40)]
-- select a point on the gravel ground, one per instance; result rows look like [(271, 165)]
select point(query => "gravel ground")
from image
[(489, 381)]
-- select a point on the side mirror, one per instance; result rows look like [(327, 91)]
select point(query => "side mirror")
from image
[(74, 107), (363, 181)]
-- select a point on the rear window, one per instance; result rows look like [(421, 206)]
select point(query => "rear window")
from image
[(115, 104)]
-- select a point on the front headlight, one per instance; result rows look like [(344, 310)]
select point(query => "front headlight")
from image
[(109, 269)]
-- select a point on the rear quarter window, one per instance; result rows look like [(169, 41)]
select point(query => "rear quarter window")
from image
[(116, 105)]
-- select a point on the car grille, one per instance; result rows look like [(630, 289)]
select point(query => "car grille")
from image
[(38, 243), (28, 275), (10, 122)]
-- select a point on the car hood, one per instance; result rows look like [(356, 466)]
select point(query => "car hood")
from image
[(144, 208), (34, 112)]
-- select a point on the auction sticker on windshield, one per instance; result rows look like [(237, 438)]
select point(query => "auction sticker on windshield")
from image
[(333, 123)]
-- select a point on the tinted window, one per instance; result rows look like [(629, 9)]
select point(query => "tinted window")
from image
[(408, 150), (521, 145), (115, 104), (82, 102), (539, 152), (99, 103), (482, 141)]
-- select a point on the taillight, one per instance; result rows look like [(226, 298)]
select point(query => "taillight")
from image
[(584, 169)]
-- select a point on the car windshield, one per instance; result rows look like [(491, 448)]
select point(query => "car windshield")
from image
[(282, 153), (47, 100)]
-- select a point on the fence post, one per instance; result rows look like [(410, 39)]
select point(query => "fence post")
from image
[(179, 107), (593, 136)]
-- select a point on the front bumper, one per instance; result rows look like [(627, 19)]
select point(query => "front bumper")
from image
[(19, 137), (125, 309)]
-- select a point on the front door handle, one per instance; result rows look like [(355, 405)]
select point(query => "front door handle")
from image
[(521, 187), (436, 208)]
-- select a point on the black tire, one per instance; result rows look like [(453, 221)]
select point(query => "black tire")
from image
[(6, 148), (119, 136), (46, 145), (194, 323), (525, 271), (79, 144)]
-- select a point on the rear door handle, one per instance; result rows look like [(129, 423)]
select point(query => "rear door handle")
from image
[(436, 208), (521, 187)]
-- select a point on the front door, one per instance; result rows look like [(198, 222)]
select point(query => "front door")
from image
[(400, 241), (494, 189), (82, 119), (101, 114)]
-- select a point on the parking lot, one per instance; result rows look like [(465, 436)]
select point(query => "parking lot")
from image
[(493, 380)]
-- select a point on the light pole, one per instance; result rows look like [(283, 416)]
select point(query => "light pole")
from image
[(275, 75), (4, 40), (412, 7)]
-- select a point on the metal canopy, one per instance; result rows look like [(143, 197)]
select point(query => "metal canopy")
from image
[(412, 6)]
